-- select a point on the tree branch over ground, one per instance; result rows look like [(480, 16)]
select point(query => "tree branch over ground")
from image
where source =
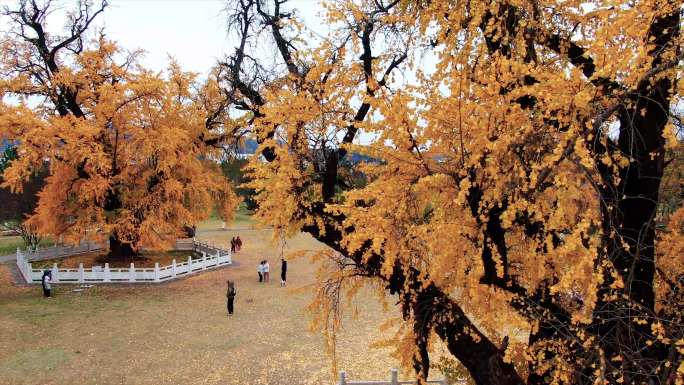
[(491, 204)]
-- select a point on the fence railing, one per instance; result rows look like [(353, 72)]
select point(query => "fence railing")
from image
[(212, 257), (57, 251), (394, 380)]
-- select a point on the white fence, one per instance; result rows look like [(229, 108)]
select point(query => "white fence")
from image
[(57, 251), (62, 251), (212, 257), (394, 380)]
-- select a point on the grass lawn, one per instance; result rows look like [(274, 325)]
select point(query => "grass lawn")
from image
[(145, 259), (9, 244), (242, 220), (179, 333)]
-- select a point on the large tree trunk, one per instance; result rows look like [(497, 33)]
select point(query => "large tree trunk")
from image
[(484, 361), (432, 310), (641, 139), (629, 217), (120, 250)]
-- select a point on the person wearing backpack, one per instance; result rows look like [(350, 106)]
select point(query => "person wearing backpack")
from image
[(230, 296), (47, 283)]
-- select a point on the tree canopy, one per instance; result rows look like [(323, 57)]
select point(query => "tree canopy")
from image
[(124, 146), (518, 180), (518, 151)]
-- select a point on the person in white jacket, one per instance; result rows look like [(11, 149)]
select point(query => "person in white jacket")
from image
[(266, 270), (260, 270)]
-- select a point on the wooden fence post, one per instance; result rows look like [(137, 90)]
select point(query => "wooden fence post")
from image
[(107, 273), (204, 261), (173, 268), (55, 273), (394, 377), (343, 378), (189, 264), (81, 273), (131, 273), (156, 272)]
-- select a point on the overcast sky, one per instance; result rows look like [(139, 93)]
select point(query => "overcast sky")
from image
[(193, 31)]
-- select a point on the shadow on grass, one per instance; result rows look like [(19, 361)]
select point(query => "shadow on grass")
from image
[(26, 363)]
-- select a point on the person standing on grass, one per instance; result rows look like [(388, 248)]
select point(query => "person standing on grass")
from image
[(238, 243), (47, 283), (283, 271), (230, 296), (267, 269), (232, 245), (260, 270)]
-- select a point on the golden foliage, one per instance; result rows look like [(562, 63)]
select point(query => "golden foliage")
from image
[(134, 166), (441, 134)]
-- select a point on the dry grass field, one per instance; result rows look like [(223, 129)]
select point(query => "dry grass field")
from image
[(179, 333)]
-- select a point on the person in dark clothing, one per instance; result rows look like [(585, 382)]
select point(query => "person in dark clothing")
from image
[(260, 270), (47, 283), (189, 231), (232, 245), (230, 296), (283, 271), (238, 243)]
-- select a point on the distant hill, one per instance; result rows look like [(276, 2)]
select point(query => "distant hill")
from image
[(355, 158), (250, 146)]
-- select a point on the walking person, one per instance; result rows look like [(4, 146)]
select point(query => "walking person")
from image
[(266, 270), (238, 243), (232, 245), (283, 271), (230, 296), (47, 283), (260, 270)]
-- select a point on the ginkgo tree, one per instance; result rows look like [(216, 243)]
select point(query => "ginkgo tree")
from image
[(126, 148), (517, 176)]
